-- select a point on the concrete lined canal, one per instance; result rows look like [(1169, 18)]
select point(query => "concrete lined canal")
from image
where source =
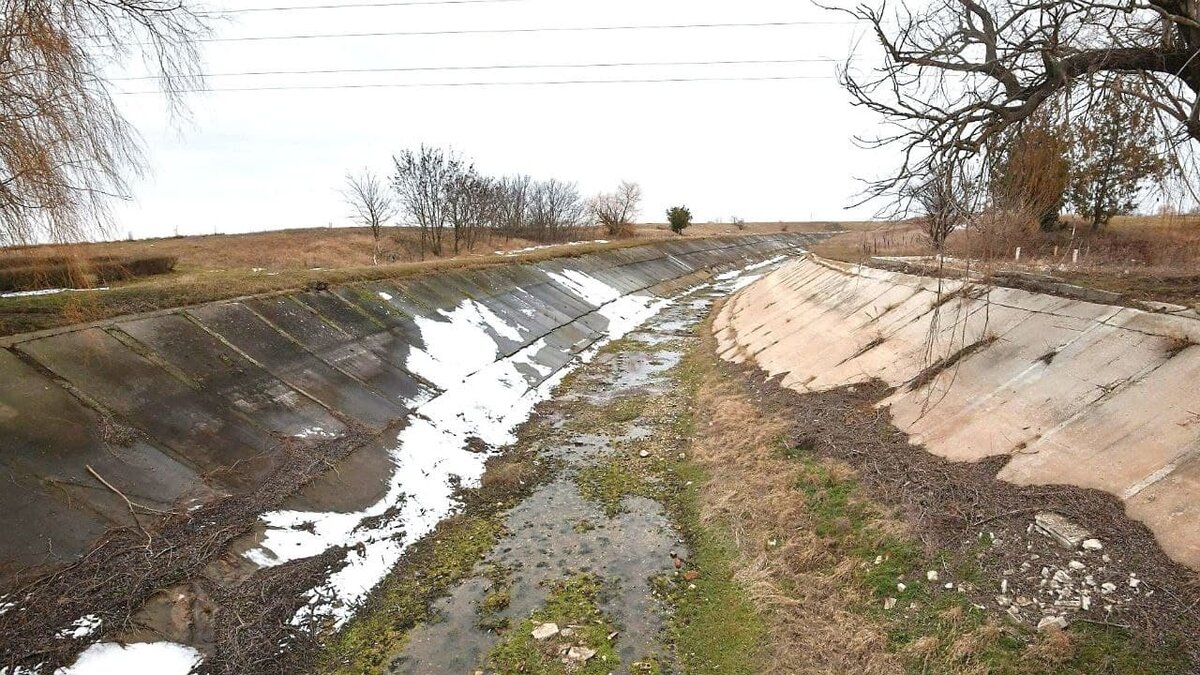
[(296, 447)]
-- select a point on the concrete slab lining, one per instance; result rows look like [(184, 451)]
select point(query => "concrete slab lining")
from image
[(187, 404), (1073, 392)]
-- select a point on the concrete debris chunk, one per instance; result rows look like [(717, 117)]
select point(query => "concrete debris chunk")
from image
[(545, 631), (1051, 623), (889, 603), (580, 654), (1064, 532), (1092, 545)]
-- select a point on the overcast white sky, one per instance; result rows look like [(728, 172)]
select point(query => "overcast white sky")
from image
[(765, 150)]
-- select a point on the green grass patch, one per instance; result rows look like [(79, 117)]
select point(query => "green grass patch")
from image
[(939, 630), (433, 566), (572, 604), (609, 482)]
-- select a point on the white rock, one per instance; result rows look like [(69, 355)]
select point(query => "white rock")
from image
[(1050, 623), (900, 587), (1003, 601), (949, 586), (1075, 565), (644, 454), (1085, 602), (1092, 545), (878, 560), (545, 631), (889, 603), (1062, 577), (580, 654), (931, 575), (1108, 587), (1004, 586)]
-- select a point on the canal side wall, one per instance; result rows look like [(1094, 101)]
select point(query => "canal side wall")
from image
[(1073, 392)]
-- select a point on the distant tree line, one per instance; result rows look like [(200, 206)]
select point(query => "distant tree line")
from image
[(455, 206)]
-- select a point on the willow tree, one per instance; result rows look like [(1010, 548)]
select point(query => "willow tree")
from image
[(65, 148)]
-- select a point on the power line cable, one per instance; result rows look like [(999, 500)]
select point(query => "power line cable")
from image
[(406, 85), (504, 31), (530, 66)]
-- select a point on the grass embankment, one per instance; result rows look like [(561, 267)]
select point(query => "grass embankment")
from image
[(841, 581), (191, 287)]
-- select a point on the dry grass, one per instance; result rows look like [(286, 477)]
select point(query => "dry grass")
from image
[(785, 566), (1140, 257)]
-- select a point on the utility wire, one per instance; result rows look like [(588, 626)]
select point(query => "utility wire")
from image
[(530, 66), (406, 85), (500, 31)]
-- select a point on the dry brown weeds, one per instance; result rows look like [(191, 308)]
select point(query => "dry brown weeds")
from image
[(804, 589)]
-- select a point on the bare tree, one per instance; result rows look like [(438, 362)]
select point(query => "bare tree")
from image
[(370, 204), (556, 211), (421, 182), (514, 194), (946, 203), (470, 203), (65, 148), (956, 74), (615, 211)]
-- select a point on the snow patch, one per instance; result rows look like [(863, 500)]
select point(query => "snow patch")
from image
[(143, 658)]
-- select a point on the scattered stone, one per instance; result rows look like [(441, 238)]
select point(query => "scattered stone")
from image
[(545, 631), (1023, 601), (932, 575), (889, 603), (580, 654), (1003, 601), (1062, 577), (1108, 587), (1134, 582), (1085, 602), (1093, 545), (949, 586), (1051, 623), (901, 587), (567, 632), (644, 454), (1004, 586), (1075, 565), (1064, 532), (613, 635), (878, 560)]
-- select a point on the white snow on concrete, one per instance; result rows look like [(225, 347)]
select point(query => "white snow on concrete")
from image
[(590, 289), (482, 396), (143, 658)]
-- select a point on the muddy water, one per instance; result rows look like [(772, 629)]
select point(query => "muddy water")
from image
[(544, 539)]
